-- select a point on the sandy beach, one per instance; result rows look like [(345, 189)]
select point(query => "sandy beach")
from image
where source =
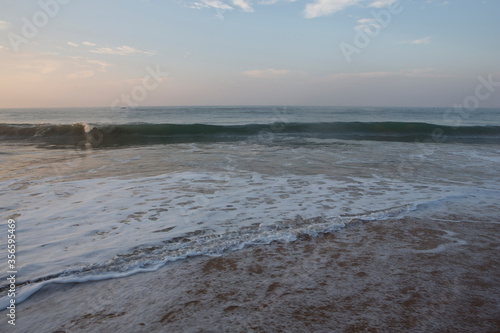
[(390, 276)]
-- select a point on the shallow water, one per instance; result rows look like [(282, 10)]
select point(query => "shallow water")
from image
[(93, 212)]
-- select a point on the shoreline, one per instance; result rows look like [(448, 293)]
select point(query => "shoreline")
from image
[(402, 274)]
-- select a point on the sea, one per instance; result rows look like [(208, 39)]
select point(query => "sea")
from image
[(104, 193)]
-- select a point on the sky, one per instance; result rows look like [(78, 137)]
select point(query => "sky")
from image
[(83, 53)]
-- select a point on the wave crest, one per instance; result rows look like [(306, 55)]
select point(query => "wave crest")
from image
[(131, 134)]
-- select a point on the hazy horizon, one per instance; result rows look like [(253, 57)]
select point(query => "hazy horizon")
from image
[(244, 106)]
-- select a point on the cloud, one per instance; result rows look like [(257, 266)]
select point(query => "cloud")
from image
[(421, 41), (313, 9), (327, 7), (102, 64), (83, 43), (272, 2), (363, 75), (243, 4), (4, 25), (121, 50), (444, 3), (413, 73), (382, 3), (225, 5), (426, 40), (79, 63), (216, 4), (365, 24), (270, 72), (81, 75), (107, 50)]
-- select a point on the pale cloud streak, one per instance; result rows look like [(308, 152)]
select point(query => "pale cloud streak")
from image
[(244, 5), (413, 73), (313, 9), (421, 41), (444, 3), (426, 40), (365, 24), (382, 3), (320, 8), (4, 25), (270, 72), (51, 67), (81, 75), (101, 64), (327, 7), (215, 4), (121, 50), (272, 2), (83, 43)]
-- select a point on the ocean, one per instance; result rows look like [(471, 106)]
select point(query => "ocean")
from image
[(102, 194)]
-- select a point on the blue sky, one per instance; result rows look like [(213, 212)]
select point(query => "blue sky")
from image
[(58, 53)]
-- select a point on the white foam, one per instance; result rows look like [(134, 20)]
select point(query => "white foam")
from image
[(108, 227), (87, 128)]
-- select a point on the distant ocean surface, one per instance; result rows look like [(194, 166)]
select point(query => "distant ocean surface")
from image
[(101, 193)]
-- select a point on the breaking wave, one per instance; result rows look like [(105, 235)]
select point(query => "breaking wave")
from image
[(144, 133)]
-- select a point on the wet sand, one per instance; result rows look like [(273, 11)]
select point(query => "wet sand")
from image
[(410, 275)]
